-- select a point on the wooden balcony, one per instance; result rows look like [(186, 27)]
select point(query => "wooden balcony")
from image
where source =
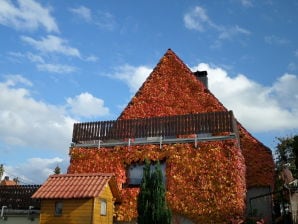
[(168, 129)]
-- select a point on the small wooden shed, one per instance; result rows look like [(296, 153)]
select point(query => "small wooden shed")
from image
[(78, 198)]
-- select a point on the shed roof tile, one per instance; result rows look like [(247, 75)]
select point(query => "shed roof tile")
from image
[(67, 186)]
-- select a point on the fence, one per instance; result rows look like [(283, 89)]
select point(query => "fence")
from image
[(18, 196), (213, 122)]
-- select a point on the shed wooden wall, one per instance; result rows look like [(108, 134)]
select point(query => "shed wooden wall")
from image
[(77, 211), (100, 219)]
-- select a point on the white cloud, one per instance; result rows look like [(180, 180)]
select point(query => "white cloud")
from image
[(259, 108), (35, 58), (83, 12), (246, 3), (13, 80), (91, 58), (56, 68), (229, 33), (86, 105), (197, 19), (132, 76), (52, 44), (285, 91), (26, 15), (34, 170), (276, 40), (293, 66), (41, 64), (103, 20), (28, 122)]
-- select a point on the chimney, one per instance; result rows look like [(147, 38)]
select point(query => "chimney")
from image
[(202, 76)]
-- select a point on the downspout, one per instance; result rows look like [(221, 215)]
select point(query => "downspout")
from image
[(2, 211)]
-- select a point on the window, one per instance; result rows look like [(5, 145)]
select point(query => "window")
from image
[(103, 207), (58, 208), (135, 173)]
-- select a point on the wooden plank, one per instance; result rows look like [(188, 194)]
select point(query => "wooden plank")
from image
[(104, 130), (84, 131), (216, 124), (74, 133)]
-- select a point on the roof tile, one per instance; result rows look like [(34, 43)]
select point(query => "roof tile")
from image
[(67, 186)]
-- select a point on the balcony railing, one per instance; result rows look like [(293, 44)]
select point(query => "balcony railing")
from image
[(211, 123)]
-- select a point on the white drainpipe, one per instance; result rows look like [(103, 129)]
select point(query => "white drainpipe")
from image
[(2, 211)]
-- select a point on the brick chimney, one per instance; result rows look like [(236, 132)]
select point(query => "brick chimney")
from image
[(202, 76)]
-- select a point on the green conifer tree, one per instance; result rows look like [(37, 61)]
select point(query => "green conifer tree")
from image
[(152, 207), (1, 171), (144, 208), (57, 170), (287, 152)]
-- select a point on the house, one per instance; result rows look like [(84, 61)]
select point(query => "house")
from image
[(211, 164), (7, 182), (78, 198), (17, 206)]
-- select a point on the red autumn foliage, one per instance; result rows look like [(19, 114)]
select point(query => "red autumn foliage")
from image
[(202, 184), (258, 160), (172, 89)]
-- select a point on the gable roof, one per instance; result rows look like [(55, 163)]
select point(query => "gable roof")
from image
[(171, 89), (69, 186)]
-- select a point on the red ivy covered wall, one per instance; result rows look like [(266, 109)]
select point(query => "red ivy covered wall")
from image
[(258, 160), (172, 89), (204, 183)]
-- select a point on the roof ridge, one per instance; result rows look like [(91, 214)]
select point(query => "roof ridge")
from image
[(77, 185), (169, 55), (82, 175), (171, 52)]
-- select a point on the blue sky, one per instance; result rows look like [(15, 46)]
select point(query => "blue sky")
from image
[(72, 61)]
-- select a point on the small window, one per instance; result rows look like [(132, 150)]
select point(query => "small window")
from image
[(103, 207), (135, 173), (58, 208)]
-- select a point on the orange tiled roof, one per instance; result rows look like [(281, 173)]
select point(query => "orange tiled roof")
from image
[(171, 89), (67, 186), (8, 183)]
